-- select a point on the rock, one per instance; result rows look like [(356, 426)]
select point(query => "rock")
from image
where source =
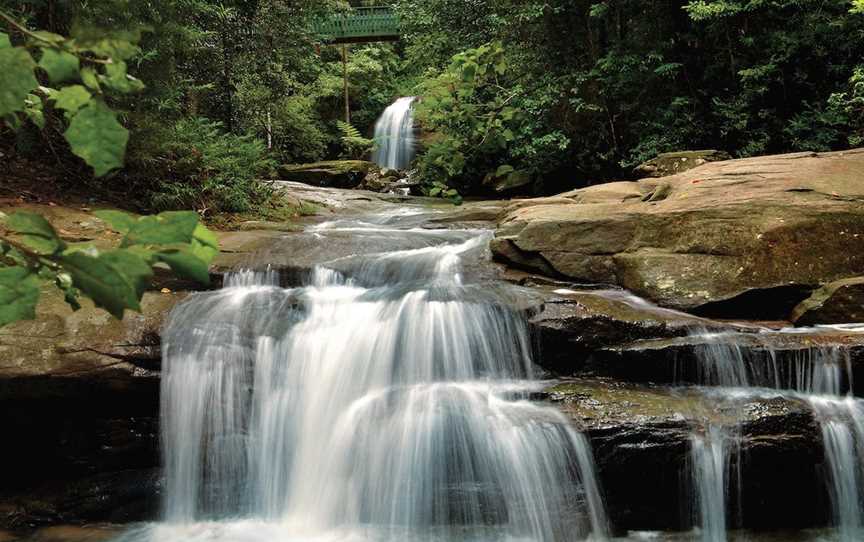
[(514, 182), (725, 239), (670, 163), (573, 325), (764, 357), (332, 174), (838, 302), (641, 440)]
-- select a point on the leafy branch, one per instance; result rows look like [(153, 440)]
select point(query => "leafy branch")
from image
[(115, 279), (82, 71)]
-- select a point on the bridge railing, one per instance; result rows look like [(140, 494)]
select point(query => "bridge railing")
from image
[(359, 24)]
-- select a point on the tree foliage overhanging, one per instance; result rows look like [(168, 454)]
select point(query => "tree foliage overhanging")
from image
[(556, 93)]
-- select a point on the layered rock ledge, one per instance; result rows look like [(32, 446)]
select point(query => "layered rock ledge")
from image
[(641, 439)]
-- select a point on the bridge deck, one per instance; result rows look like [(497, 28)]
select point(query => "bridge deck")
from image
[(360, 25)]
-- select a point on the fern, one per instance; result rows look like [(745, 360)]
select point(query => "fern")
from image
[(354, 145), (348, 131)]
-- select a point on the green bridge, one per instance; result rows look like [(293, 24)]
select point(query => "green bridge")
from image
[(359, 25)]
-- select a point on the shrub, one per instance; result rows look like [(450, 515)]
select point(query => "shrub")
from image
[(200, 166)]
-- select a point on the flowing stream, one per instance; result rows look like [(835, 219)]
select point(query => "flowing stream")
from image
[(394, 135), (386, 399)]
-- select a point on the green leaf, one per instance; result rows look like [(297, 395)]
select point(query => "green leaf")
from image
[(71, 98), (205, 244), (135, 268), (119, 220), (186, 264), (95, 135), (504, 170), (101, 282), (36, 232), (16, 79), (19, 293), (4, 41), (60, 65), (165, 228), (88, 75), (117, 79)]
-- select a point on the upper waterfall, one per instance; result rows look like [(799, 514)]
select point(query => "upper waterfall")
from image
[(394, 135)]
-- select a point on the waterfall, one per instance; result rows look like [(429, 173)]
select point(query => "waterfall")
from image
[(394, 135), (819, 375), (385, 400), (709, 456), (842, 425)]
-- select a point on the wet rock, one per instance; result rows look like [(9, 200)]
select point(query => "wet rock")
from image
[(670, 163), (641, 438), (839, 302), (79, 449), (725, 236), (573, 325), (332, 174), (762, 358)]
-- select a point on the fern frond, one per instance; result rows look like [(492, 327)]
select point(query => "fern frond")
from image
[(348, 131)]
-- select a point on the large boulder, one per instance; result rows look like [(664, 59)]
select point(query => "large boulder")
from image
[(330, 174), (743, 238)]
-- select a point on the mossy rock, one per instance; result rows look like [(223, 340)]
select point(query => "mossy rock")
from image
[(670, 163), (838, 302), (330, 174)]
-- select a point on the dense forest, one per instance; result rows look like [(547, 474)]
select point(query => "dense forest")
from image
[(561, 93)]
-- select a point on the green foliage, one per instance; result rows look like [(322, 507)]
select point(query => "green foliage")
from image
[(849, 106), (290, 123), (95, 135), (354, 145), (200, 166), (98, 61), (437, 189), (33, 254), (608, 84), (478, 112)]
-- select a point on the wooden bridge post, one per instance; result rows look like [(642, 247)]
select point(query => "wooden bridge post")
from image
[(345, 83)]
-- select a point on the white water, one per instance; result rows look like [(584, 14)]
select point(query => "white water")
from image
[(338, 411), (819, 375), (709, 457), (394, 135)]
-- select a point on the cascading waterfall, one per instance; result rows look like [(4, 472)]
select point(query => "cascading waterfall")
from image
[(383, 401), (819, 375), (394, 135)]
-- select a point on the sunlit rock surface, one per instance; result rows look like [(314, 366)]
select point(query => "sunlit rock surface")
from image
[(742, 238)]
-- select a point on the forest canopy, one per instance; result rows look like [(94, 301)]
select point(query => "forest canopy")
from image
[(557, 94)]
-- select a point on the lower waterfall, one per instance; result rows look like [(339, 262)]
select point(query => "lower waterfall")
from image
[(819, 375), (710, 457), (385, 400)]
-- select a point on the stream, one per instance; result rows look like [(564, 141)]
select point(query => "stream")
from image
[(393, 395)]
